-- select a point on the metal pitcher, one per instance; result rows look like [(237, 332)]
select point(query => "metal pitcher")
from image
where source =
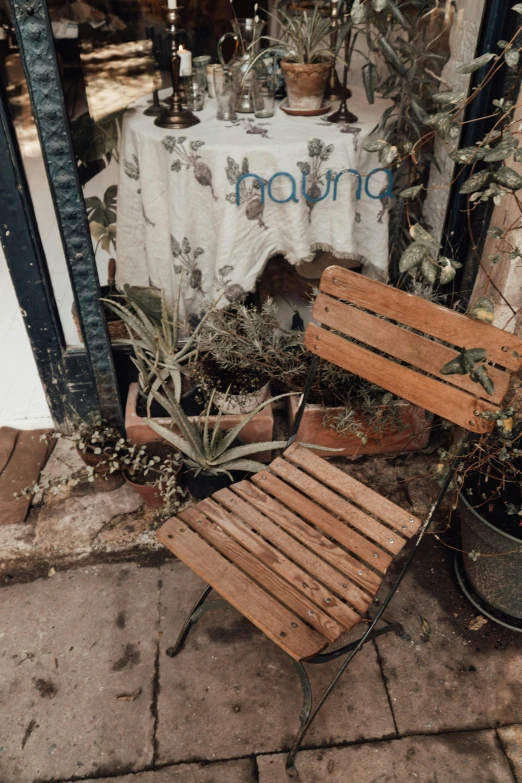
[(247, 33)]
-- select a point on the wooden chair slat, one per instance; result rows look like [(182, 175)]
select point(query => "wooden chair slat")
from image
[(367, 498), (454, 404), (358, 519), (440, 322), (318, 516), (232, 520), (273, 619), (309, 536), (255, 568), (401, 344), (309, 561)]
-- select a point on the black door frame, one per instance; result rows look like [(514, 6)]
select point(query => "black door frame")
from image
[(90, 377)]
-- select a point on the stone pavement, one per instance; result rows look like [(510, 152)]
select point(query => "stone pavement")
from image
[(88, 693)]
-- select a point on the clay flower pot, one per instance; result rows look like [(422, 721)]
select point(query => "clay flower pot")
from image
[(149, 491), (305, 84), (103, 480)]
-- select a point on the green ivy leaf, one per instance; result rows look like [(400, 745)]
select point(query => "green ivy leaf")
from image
[(423, 237), (483, 310), (412, 257), (375, 146), (429, 270), (475, 182), (448, 270), (467, 154), (508, 178), (481, 376), (448, 96), (478, 62), (495, 231), (411, 192), (512, 57), (442, 124), (503, 150), (359, 12)]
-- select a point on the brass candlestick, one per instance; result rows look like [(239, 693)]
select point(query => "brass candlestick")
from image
[(174, 116), (333, 88), (343, 114)]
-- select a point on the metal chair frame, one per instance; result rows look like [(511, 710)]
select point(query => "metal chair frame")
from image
[(308, 712)]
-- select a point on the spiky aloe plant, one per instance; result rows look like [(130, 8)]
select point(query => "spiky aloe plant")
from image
[(209, 449), (154, 331)]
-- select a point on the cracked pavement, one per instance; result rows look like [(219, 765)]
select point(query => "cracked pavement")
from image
[(88, 693)]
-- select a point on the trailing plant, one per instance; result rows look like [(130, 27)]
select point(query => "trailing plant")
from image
[(114, 453), (489, 178)]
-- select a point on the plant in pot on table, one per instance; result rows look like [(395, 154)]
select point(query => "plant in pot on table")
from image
[(306, 59)]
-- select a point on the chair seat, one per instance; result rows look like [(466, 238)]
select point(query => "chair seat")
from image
[(300, 548)]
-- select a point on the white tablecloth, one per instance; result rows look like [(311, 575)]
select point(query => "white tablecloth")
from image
[(177, 210)]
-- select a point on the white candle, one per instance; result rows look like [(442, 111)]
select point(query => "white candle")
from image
[(185, 65), (172, 4)]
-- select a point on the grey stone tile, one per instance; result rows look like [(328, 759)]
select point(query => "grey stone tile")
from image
[(69, 646), (468, 757), (457, 679), (232, 692), (242, 771), (511, 739)]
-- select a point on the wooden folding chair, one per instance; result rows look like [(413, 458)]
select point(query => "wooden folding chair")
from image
[(301, 548)]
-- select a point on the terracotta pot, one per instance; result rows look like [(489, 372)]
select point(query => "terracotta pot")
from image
[(305, 84), (149, 493), (241, 403), (258, 430), (103, 481), (413, 436)]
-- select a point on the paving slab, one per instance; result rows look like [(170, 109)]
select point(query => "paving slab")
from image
[(511, 739), (70, 645), (451, 678), (242, 771), (232, 692), (468, 757)]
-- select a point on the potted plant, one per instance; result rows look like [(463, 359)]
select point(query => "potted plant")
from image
[(307, 60), (152, 470), (156, 335), (213, 458)]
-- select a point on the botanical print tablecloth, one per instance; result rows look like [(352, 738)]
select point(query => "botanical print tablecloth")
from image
[(178, 219)]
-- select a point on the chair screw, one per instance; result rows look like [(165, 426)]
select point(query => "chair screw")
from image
[(328, 600), (294, 625), (391, 540), (360, 574), (472, 423), (310, 612), (375, 554)]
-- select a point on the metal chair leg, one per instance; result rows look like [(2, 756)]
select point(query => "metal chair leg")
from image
[(290, 767), (195, 613), (307, 716), (307, 691)]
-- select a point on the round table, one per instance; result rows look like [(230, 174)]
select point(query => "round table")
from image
[(183, 220)]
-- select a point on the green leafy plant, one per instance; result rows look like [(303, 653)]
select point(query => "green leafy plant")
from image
[(154, 329), (204, 446), (102, 219)]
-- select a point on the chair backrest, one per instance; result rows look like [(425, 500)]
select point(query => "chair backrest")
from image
[(389, 351)]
